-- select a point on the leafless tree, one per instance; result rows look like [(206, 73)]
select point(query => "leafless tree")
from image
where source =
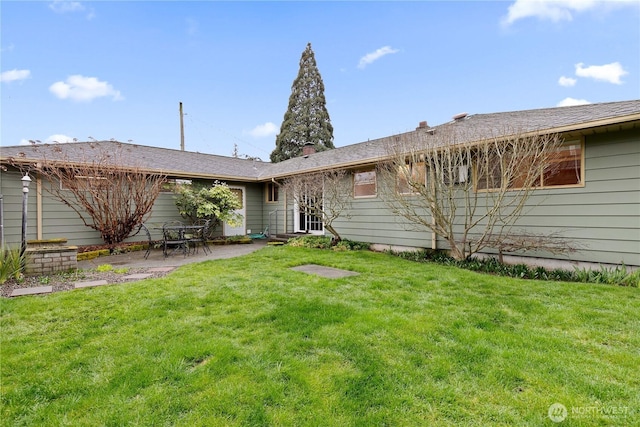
[(325, 195), (109, 197), (469, 194)]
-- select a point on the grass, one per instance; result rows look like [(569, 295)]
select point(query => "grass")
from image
[(247, 341)]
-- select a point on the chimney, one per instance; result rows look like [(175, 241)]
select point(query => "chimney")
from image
[(308, 148), (423, 125)]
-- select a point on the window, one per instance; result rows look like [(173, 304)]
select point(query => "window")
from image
[(411, 176), (364, 184), (272, 192), (564, 169), (170, 184)]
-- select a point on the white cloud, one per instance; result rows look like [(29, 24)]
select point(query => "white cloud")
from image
[(567, 81), (262, 131), (568, 102), (374, 56), (14, 75), (60, 6), (556, 10), (53, 139), (609, 72), (80, 88)]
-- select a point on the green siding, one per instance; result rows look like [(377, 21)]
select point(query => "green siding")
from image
[(603, 217)]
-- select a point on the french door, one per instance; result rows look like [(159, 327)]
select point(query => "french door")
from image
[(305, 219)]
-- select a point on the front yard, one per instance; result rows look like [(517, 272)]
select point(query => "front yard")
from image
[(247, 341)]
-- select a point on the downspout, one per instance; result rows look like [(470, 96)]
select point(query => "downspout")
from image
[(39, 207), (434, 240)]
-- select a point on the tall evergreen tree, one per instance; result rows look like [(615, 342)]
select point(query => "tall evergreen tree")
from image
[(306, 119)]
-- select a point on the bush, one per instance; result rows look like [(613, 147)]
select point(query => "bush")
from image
[(314, 242), (349, 245), (11, 264)]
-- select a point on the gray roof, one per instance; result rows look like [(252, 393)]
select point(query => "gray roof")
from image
[(468, 129), (167, 161)]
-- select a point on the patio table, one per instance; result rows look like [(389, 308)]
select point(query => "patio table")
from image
[(179, 237)]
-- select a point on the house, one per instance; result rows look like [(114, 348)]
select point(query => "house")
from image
[(597, 204)]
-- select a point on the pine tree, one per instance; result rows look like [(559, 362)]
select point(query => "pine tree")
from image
[(306, 119)]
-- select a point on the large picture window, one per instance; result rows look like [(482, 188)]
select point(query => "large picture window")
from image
[(364, 184), (565, 168)]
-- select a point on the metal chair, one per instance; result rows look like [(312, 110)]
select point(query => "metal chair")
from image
[(199, 235), (173, 237), (144, 228)]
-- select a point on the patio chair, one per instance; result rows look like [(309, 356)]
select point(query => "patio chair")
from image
[(198, 233), (173, 238), (144, 229)]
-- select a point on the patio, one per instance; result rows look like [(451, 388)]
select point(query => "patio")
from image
[(157, 259)]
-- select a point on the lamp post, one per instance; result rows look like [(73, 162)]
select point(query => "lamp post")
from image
[(25, 196)]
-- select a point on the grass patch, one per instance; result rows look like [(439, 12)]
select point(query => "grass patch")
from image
[(247, 341)]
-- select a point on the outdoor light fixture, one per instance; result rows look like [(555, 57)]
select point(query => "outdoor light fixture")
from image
[(25, 195)]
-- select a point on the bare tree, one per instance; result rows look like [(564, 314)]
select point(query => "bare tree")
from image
[(469, 194), (325, 195), (109, 197)]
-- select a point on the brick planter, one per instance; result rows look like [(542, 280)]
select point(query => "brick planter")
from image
[(50, 256)]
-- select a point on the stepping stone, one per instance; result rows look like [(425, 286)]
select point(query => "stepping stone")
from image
[(328, 272), (161, 269), (138, 276), (32, 291), (79, 285)]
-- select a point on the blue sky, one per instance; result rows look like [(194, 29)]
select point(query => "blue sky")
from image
[(119, 69)]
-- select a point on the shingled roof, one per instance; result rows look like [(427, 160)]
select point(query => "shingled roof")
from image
[(471, 128), (163, 160)]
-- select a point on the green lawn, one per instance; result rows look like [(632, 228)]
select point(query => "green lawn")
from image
[(247, 341)]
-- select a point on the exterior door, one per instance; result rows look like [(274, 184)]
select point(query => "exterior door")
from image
[(305, 220), (241, 229)]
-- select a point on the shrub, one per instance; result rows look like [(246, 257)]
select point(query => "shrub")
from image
[(11, 264), (350, 245), (314, 242)]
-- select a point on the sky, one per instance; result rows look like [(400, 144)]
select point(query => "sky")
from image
[(101, 70)]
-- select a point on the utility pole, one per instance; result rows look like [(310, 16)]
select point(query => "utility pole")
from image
[(181, 129)]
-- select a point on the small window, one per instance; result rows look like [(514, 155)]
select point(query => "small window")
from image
[(364, 184), (411, 176), (272, 192), (169, 185)]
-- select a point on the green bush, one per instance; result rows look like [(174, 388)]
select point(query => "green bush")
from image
[(610, 276), (11, 264), (314, 242), (350, 245)]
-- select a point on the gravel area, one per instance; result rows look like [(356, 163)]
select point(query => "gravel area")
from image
[(66, 281)]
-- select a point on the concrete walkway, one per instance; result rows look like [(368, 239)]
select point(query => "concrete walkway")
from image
[(157, 260)]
